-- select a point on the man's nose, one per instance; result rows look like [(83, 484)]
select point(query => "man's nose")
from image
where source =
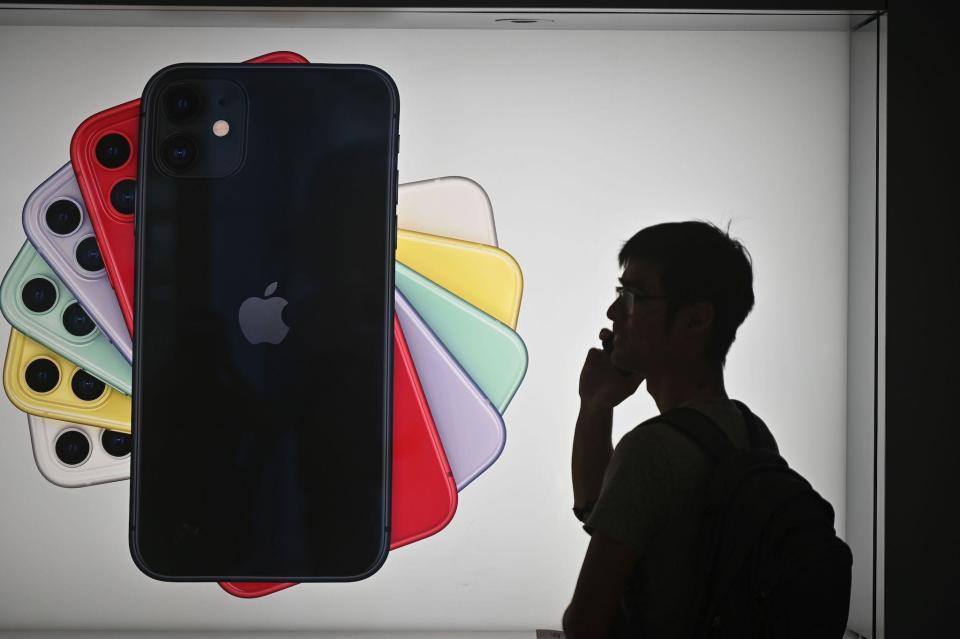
[(613, 309)]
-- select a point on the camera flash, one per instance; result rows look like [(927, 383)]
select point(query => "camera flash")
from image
[(221, 128)]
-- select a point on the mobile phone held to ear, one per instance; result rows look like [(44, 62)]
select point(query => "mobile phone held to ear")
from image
[(284, 468), (104, 156), (424, 491)]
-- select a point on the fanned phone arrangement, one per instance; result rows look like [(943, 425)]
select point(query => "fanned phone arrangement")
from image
[(226, 297)]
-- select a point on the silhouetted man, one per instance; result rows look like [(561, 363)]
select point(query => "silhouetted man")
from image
[(685, 289)]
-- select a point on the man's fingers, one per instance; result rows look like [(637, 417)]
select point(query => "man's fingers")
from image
[(594, 356)]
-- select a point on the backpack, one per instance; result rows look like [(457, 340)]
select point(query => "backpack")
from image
[(771, 563)]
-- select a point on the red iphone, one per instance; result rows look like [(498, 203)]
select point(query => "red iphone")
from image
[(104, 156), (424, 493)]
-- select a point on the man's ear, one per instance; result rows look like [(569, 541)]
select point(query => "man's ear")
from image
[(700, 316)]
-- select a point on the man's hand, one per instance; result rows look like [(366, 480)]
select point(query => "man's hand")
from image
[(603, 385)]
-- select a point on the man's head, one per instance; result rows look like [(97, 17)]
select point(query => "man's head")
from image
[(691, 286)]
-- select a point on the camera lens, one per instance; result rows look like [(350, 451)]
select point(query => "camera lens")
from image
[(63, 217), (72, 447), (182, 103), (39, 295), (88, 255), (77, 322), (179, 151), (86, 386), (122, 196), (117, 444), (42, 375), (113, 150)]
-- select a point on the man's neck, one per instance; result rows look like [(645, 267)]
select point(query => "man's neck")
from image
[(677, 388)]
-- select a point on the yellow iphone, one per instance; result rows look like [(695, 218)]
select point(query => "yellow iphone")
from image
[(485, 276), (42, 383)]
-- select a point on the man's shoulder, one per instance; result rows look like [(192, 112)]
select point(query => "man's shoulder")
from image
[(658, 433), (651, 430), (658, 461), (655, 438)]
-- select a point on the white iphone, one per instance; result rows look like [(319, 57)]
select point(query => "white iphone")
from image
[(452, 206), (73, 455)]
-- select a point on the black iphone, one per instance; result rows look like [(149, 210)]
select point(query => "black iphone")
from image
[(262, 391)]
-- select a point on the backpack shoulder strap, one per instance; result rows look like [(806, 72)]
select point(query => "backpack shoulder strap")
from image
[(759, 436)]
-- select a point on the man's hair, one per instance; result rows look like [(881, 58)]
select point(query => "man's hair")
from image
[(698, 260)]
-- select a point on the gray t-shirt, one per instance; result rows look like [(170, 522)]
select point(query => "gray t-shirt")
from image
[(652, 500)]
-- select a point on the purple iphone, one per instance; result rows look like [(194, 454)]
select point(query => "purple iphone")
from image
[(470, 428), (56, 223)]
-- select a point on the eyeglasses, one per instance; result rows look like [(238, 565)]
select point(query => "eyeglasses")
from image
[(631, 298)]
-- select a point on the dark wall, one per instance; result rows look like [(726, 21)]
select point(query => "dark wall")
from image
[(923, 326), (709, 5)]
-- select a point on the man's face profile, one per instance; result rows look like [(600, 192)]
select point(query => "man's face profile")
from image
[(638, 334), (641, 342)]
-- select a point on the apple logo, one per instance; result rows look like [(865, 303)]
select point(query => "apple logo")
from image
[(261, 318)]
